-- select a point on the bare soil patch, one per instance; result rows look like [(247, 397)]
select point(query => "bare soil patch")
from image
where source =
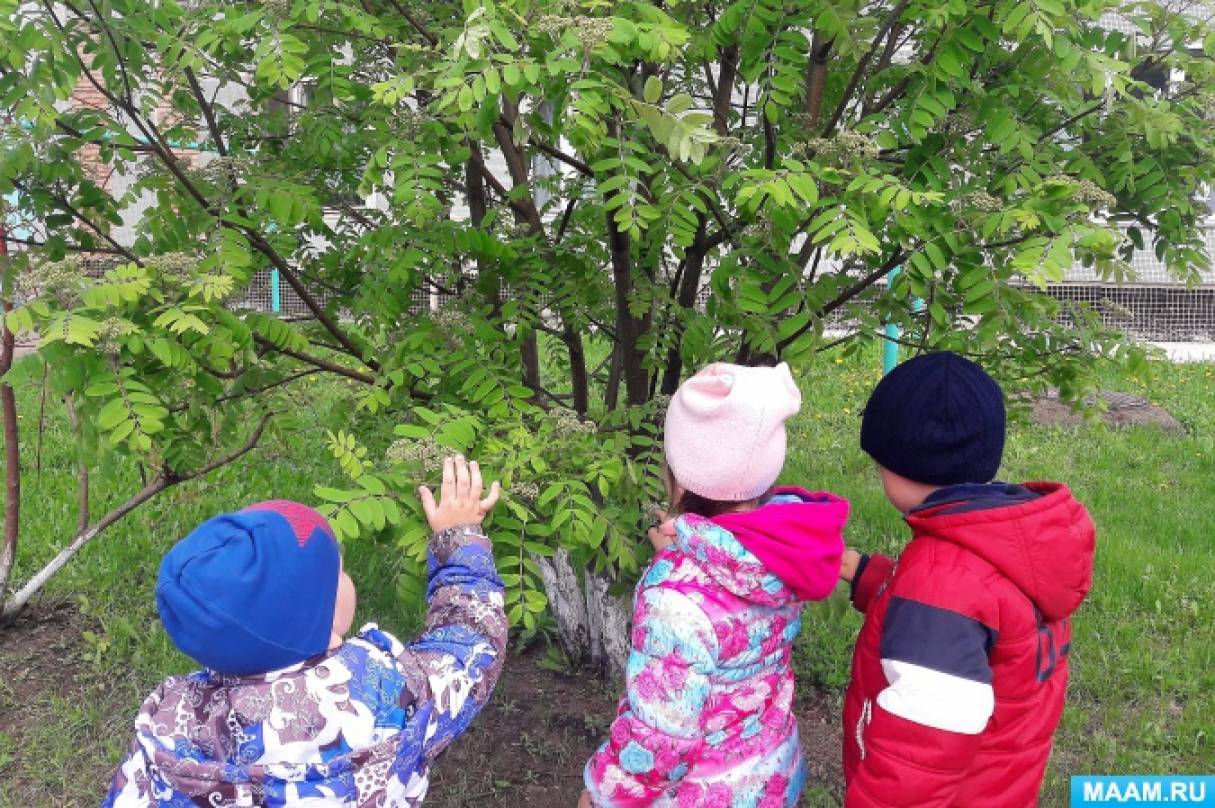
[(1121, 410)]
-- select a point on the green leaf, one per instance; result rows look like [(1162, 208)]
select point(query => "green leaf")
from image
[(652, 90)]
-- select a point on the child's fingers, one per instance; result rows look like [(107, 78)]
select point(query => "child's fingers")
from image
[(475, 483), (491, 499), (463, 483), (448, 491), (428, 501)]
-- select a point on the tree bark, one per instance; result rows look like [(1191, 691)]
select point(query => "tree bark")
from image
[(628, 327), (12, 460), (689, 286), (816, 78), (579, 379), (593, 625)]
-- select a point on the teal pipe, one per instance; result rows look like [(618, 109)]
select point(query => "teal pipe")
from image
[(890, 347), (276, 303), (143, 141)]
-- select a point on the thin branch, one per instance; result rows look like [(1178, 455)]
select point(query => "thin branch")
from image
[(249, 445), (857, 74), (417, 24), (207, 111), (118, 249), (25, 242), (848, 294), (570, 160), (317, 362), (82, 476), (565, 219), (160, 482)]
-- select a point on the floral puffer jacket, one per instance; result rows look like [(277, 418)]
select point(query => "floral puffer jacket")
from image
[(706, 720), (356, 728)]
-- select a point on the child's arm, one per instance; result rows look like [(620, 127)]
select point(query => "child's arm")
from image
[(657, 733), (919, 736), (452, 668), (866, 573)]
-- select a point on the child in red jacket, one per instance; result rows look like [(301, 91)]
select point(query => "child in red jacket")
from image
[(960, 670)]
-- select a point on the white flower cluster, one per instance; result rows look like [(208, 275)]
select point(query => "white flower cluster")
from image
[(979, 201), (844, 146), (525, 492), (109, 337), (57, 281), (960, 122), (409, 123), (591, 32), (567, 424), (425, 453), (277, 8), (451, 320), (1086, 191), (175, 265)]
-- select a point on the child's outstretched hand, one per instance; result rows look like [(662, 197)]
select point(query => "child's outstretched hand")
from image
[(662, 533), (460, 501), (585, 800), (848, 565)]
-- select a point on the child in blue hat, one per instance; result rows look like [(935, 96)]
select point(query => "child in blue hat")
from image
[(287, 711)]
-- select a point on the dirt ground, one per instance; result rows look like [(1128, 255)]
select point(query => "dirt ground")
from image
[(526, 749)]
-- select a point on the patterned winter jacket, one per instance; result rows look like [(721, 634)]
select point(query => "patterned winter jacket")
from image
[(357, 727), (706, 719)]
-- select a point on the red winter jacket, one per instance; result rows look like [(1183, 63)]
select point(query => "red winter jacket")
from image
[(960, 670)]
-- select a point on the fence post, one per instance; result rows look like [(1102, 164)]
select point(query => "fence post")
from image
[(276, 303)]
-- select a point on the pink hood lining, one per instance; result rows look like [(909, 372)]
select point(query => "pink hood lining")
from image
[(798, 537)]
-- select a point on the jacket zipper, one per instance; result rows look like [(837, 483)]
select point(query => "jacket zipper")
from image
[(861, 723)]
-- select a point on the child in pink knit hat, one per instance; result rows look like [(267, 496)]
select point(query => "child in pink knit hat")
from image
[(706, 718)]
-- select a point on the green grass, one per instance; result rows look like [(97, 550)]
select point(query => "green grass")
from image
[(82, 724), (1143, 666)]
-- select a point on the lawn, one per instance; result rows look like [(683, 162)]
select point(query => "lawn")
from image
[(73, 673)]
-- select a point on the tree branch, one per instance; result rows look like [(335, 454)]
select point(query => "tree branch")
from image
[(162, 481), (816, 78), (118, 249), (570, 160), (857, 74), (417, 24), (318, 362), (848, 294), (207, 111)]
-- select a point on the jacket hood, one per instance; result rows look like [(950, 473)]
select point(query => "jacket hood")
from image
[(788, 549), (1037, 535)]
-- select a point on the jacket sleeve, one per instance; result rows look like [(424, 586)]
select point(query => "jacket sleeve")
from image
[(919, 736), (657, 733), (452, 667), (873, 571)]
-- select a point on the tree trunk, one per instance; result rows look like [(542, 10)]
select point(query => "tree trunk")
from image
[(593, 626), (12, 460), (628, 328), (579, 380), (689, 287)]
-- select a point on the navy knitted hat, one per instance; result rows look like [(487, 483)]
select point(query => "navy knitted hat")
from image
[(254, 591), (936, 419)]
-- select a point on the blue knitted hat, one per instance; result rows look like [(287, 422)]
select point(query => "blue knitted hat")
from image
[(936, 419), (254, 591)]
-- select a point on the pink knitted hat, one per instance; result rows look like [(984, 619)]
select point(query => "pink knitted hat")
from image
[(725, 430)]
